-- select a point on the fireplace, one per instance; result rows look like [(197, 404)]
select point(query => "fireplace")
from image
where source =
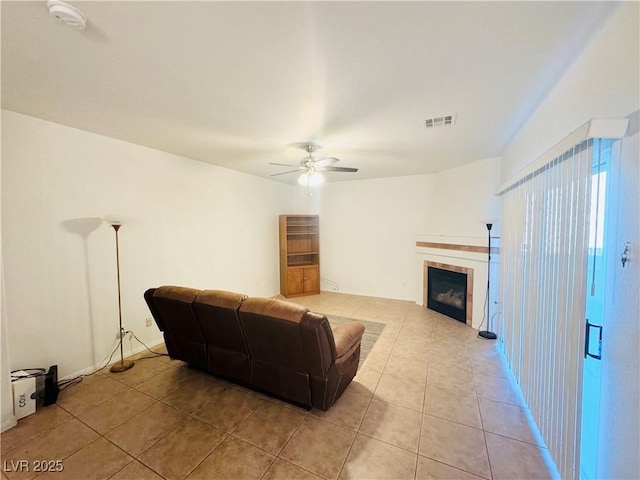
[(448, 289)]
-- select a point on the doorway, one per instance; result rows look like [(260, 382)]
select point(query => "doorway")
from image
[(595, 309)]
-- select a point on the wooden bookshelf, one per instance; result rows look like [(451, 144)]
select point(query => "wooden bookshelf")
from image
[(299, 255)]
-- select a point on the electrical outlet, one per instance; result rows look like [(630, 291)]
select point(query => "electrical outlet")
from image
[(149, 321)]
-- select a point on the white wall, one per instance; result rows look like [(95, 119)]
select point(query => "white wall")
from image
[(368, 231), (463, 199), (603, 82), (6, 398), (185, 223)]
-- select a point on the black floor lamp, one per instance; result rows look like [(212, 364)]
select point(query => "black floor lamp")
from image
[(488, 334), (123, 364)]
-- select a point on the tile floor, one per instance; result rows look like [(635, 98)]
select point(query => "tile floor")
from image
[(432, 401)]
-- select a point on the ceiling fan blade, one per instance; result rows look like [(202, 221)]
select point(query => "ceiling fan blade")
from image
[(282, 173), (282, 164), (338, 169), (325, 162)]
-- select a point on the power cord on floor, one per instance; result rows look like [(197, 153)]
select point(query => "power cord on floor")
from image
[(156, 354), (63, 384), (485, 309)]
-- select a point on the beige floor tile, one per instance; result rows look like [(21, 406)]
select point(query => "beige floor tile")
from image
[(320, 447), (461, 407), (509, 421), (45, 419), (405, 349), (491, 364), (156, 352), (419, 334), (456, 445), (365, 382), (347, 411), (167, 381), (418, 326), (400, 391), (398, 426), (404, 364), (269, 427), (431, 470), (454, 358), (480, 348), (376, 361), (233, 459), (283, 470), (108, 415), (498, 389), (55, 444), (372, 459), (192, 396), (141, 371), (182, 450), (91, 391), (383, 345), (514, 459), (146, 428), (229, 409), (136, 471), (450, 378), (98, 460)]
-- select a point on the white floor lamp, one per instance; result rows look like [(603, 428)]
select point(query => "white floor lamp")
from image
[(123, 364)]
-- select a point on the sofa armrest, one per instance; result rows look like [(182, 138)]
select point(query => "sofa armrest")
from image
[(346, 337)]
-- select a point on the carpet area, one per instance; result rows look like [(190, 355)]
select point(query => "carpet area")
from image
[(372, 331)]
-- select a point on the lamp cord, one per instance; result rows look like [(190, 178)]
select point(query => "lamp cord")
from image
[(63, 384)]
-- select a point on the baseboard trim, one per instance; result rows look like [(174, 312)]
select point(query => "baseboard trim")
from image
[(102, 364), (8, 423)]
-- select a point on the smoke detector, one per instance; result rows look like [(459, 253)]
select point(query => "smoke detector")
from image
[(67, 14)]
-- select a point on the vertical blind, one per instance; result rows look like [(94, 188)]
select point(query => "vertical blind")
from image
[(544, 254)]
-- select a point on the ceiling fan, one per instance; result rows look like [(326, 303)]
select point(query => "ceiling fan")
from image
[(311, 167)]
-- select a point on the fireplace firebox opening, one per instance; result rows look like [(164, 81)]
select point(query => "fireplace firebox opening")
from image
[(448, 290)]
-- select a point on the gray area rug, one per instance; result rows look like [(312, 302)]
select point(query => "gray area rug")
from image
[(372, 331)]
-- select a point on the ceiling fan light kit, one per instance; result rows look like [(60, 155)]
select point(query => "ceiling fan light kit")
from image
[(311, 167), (311, 179)]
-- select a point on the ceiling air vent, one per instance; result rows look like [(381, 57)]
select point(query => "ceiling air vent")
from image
[(440, 121)]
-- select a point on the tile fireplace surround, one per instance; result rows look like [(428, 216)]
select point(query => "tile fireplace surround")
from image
[(463, 254)]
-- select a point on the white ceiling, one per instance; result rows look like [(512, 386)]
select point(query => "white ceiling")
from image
[(237, 83)]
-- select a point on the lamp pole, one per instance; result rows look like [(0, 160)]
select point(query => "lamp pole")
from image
[(487, 334), (123, 365)]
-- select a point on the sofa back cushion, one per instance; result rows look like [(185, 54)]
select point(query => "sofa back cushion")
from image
[(279, 365), (182, 331), (227, 347)]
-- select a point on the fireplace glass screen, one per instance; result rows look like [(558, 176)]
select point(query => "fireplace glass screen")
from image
[(447, 293)]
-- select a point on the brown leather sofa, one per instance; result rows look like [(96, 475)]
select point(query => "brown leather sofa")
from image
[(272, 346)]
